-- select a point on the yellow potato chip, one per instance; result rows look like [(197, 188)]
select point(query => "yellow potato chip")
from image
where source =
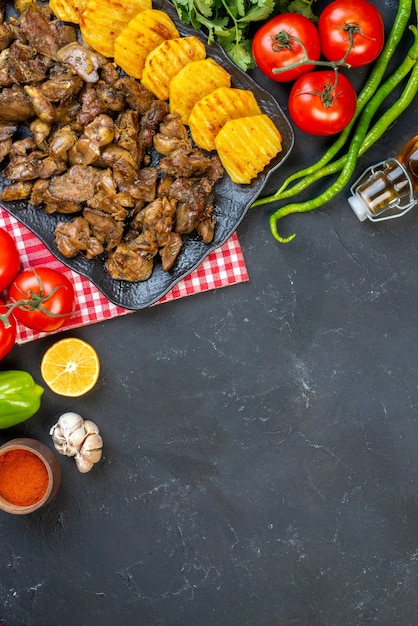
[(246, 145), (167, 59), (195, 80), (141, 35), (102, 21), (211, 112), (67, 10)]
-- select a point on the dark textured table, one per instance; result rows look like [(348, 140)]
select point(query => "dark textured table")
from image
[(260, 442)]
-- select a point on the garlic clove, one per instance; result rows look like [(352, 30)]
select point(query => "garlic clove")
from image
[(77, 437), (83, 465), (57, 435), (92, 448), (61, 448), (67, 450), (69, 422), (92, 442), (90, 427), (93, 456), (67, 427)]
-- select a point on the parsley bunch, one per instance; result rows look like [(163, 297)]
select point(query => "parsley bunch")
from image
[(228, 21)]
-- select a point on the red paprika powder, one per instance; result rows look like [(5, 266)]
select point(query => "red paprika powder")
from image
[(23, 477)]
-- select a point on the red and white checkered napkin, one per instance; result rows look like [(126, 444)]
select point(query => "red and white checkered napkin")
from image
[(224, 266)]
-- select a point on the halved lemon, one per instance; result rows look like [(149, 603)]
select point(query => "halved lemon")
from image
[(70, 367)]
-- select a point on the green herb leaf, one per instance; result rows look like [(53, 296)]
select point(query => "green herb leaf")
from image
[(259, 12), (304, 7), (240, 53), (227, 22), (205, 7)]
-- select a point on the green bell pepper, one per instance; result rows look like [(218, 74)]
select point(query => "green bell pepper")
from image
[(20, 397)]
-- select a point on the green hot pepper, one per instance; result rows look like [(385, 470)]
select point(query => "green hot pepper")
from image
[(20, 397)]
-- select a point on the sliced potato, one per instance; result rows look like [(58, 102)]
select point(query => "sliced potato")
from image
[(142, 35), (193, 82), (68, 10), (167, 59), (102, 21), (246, 145), (211, 112)]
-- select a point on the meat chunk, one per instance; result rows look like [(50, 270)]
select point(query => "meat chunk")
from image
[(124, 166), (108, 199), (166, 144), (98, 133), (6, 35), (127, 262), (133, 260), (41, 196), (192, 163), (158, 221), (206, 226), (45, 36), (5, 147), (145, 185), (74, 237), (15, 105), (25, 65), (170, 251), (109, 73), (61, 141), (103, 227), (109, 97), (16, 191), (135, 94), (150, 122), (82, 59), (127, 129), (62, 87), (195, 202), (32, 166), (172, 136), (91, 107), (78, 184), (7, 129), (41, 105), (40, 130)]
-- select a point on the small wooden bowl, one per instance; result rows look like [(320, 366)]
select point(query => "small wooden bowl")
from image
[(51, 464)]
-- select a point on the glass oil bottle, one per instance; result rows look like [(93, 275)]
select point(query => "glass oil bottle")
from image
[(388, 189)]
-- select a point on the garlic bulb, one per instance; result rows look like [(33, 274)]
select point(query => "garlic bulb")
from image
[(79, 438)]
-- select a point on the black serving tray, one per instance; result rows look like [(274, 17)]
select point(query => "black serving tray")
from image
[(231, 203)]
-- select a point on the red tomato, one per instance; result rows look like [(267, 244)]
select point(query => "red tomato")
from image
[(322, 103), (50, 297), (280, 42), (359, 17), (9, 259), (7, 331)]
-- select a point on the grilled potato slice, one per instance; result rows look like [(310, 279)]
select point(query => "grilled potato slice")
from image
[(68, 10), (193, 82), (141, 35), (211, 112), (246, 145), (167, 59), (102, 21)]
